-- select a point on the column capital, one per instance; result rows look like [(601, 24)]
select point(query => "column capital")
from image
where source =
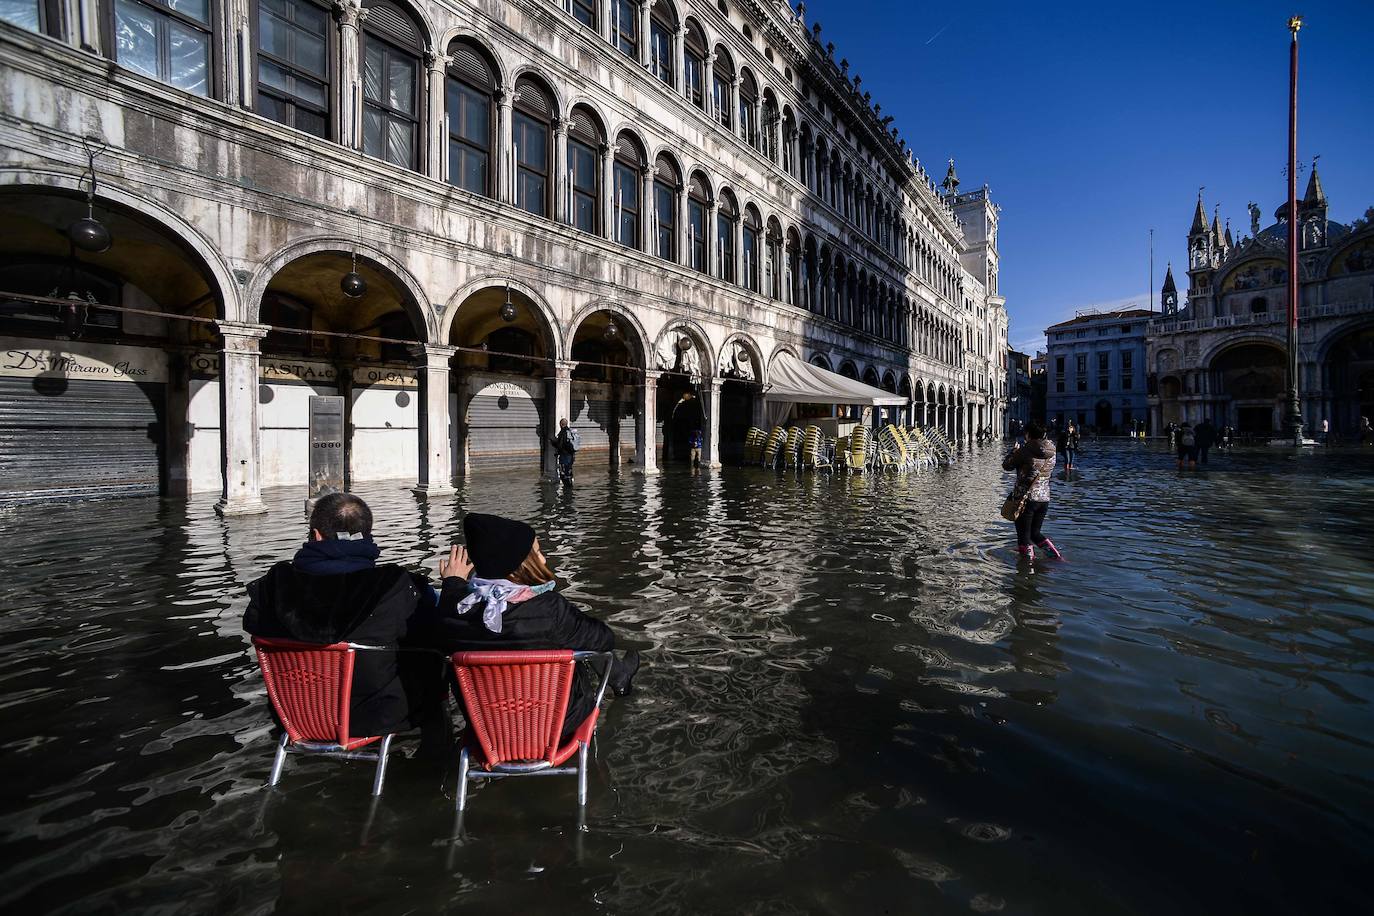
[(651, 377), (562, 125), (504, 95), (349, 12), (561, 369), (434, 61), (241, 335), (432, 356)]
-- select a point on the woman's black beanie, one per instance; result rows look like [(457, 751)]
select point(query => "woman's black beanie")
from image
[(497, 546)]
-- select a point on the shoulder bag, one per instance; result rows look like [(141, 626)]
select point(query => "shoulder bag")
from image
[(1016, 500)]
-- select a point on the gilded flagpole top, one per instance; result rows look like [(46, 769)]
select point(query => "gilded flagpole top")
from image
[(1294, 24)]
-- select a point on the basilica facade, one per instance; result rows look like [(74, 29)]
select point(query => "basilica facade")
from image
[(467, 220), (1222, 354)]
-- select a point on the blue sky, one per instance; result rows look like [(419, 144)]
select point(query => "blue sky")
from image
[(1093, 123)]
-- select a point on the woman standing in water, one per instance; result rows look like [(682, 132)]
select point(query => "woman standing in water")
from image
[(1033, 464)]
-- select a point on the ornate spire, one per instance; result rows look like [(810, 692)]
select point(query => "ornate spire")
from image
[(1216, 225), (1169, 286), (1229, 243), (1315, 196), (1199, 217), (951, 182)]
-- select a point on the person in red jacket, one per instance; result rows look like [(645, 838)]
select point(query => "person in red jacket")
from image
[(499, 594)]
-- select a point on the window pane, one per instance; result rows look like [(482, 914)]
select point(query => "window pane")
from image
[(23, 13), (273, 34), (584, 11), (401, 83), (311, 122), (665, 242), (475, 121), (531, 192), (373, 66), (270, 107), (198, 10), (373, 140), (136, 38), (629, 230), (583, 167), (310, 91), (308, 51), (475, 171), (585, 213), (269, 74), (531, 143), (664, 204), (400, 142)]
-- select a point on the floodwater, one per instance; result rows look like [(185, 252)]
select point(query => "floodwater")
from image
[(855, 701)]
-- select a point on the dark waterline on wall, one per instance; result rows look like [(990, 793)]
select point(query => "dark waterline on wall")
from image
[(856, 701)]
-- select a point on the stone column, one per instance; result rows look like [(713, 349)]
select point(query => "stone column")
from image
[(708, 79), (436, 143), (603, 18), (710, 396), (350, 126), (88, 25), (680, 59), (558, 401), (238, 404), (645, 52), (734, 106), (505, 145), (712, 239), (680, 222), (646, 445), (561, 180), (435, 477), (648, 209), (738, 231), (608, 227)]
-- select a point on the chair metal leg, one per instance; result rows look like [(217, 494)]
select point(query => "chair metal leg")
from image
[(381, 765), (463, 779), (582, 775), (280, 761)]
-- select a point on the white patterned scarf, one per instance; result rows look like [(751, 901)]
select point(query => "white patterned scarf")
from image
[(498, 595)]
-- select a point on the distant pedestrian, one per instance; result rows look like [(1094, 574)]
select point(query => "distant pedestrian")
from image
[(1187, 445), (1067, 443), (566, 444), (1227, 437), (1326, 430), (1033, 464), (1366, 432), (1205, 435), (695, 440)]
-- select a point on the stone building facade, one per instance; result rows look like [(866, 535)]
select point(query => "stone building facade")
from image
[(1222, 353), (466, 219), (1095, 366)]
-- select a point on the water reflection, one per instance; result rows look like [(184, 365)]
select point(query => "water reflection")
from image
[(856, 700)]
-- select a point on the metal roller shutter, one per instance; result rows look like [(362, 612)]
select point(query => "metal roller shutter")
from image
[(504, 432), (80, 438)]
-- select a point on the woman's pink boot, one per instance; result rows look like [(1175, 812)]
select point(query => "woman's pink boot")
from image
[(1027, 551), (1048, 546)]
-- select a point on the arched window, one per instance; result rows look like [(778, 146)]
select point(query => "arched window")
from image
[(584, 11), (167, 40), (625, 27), (789, 143), (469, 88), (43, 16), (293, 51), (772, 260), (792, 282), (722, 81), (752, 246), (771, 123), (392, 44), (629, 164), (694, 64), (833, 194), (698, 206), (666, 184), (531, 123), (748, 109), (726, 217), (585, 139), (662, 26)]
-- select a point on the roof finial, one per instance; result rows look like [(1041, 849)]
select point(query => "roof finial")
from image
[(951, 182)]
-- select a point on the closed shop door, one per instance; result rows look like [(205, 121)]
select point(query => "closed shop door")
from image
[(75, 437), (505, 431)]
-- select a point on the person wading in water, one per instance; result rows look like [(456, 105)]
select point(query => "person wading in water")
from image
[(1033, 464)]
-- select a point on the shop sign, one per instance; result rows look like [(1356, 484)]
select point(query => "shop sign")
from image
[(386, 377), (25, 358)]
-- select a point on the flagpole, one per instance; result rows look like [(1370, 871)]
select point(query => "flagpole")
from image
[(1293, 420), (1151, 304)]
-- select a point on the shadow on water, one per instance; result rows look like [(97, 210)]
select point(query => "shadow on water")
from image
[(857, 701)]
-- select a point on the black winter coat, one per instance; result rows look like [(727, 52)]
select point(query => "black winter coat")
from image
[(380, 606), (547, 621)]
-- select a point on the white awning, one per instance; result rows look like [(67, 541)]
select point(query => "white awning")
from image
[(792, 381)]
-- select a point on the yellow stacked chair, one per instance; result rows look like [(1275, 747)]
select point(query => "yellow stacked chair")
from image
[(753, 445)]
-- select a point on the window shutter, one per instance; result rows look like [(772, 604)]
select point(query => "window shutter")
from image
[(390, 21), (470, 67), (533, 100), (584, 127)]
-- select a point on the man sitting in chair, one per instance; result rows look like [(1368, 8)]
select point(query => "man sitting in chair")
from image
[(332, 591)]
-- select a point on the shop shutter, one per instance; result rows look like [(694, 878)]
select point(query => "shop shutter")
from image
[(69, 438), (505, 432)]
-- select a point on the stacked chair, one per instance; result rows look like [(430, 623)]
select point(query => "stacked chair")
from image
[(753, 445), (813, 450), (773, 447), (792, 449)]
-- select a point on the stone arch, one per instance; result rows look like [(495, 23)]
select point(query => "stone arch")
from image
[(1240, 340), (217, 269), (257, 287), (503, 72), (1338, 333), (539, 75), (726, 357), (546, 314), (822, 361), (422, 16), (622, 314), (674, 330)]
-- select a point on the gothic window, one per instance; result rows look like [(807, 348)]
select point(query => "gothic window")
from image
[(625, 27), (584, 11), (722, 81), (789, 148), (629, 163), (469, 89), (694, 64), (748, 111), (531, 120), (666, 183), (662, 25), (293, 64), (167, 40), (391, 46), (584, 173), (726, 218), (772, 261), (769, 137), (792, 282), (698, 205)]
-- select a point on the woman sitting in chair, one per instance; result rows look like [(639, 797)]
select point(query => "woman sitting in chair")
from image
[(498, 594)]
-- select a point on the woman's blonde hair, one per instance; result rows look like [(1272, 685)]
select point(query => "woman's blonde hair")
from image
[(534, 571)]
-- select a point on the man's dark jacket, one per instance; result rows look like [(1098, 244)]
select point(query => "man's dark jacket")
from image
[(547, 621), (331, 592)]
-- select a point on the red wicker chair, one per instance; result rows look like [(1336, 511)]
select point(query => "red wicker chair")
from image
[(311, 687), (515, 703)]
